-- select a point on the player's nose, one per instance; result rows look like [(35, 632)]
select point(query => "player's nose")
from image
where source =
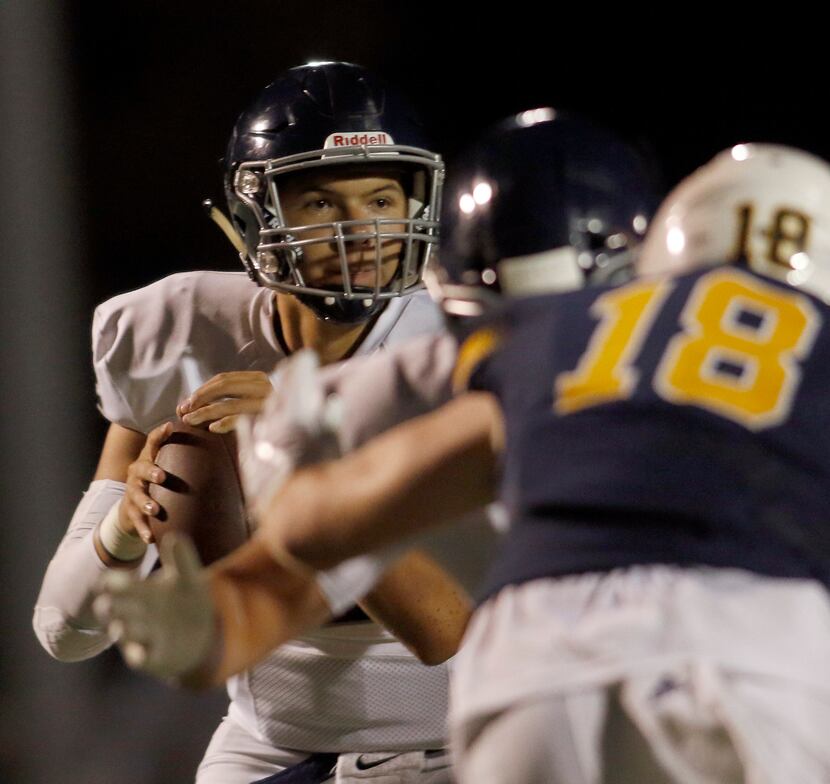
[(364, 230)]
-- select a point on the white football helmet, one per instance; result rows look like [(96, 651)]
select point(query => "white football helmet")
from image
[(764, 204)]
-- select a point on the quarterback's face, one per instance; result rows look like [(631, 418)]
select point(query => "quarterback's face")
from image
[(323, 198)]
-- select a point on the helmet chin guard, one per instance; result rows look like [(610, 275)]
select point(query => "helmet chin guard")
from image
[(342, 311), (332, 118)]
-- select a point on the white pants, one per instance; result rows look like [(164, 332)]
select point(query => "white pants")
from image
[(234, 756), (648, 674)]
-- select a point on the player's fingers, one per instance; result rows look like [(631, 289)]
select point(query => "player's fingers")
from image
[(131, 614), (139, 523), (132, 636), (115, 630), (144, 470), (135, 654), (155, 439), (244, 383), (116, 601), (222, 408), (102, 604), (180, 559), (207, 393), (114, 582), (101, 607), (137, 498), (130, 605), (144, 530), (210, 412), (224, 425)]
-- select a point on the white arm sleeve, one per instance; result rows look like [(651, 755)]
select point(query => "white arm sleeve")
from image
[(63, 619)]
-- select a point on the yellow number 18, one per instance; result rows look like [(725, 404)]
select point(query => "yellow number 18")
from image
[(737, 355)]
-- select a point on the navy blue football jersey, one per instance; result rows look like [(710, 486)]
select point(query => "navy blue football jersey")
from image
[(680, 421)]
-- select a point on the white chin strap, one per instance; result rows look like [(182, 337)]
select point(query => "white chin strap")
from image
[(221, 220)]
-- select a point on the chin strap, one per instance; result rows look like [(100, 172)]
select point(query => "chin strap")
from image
[(219, 218)]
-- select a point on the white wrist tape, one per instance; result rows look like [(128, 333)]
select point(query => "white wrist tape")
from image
[(119, 544)]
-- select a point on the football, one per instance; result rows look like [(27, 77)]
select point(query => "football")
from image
[(202, 493)]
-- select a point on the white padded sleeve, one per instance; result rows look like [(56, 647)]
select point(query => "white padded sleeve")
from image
[(149, 346), (63, 620)]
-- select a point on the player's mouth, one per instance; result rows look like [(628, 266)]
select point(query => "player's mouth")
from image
[(359, 275), (363, 267)]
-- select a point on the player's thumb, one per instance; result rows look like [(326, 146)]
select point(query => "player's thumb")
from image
[(179, 556)]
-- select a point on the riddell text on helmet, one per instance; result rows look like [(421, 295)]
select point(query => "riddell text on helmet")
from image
[(357, 139)]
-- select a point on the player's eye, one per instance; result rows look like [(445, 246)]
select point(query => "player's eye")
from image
[(318, 205), (385, 203)]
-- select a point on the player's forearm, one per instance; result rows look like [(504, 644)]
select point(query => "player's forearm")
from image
[(259, 605), (63, 619), (422, 605), (426, 472)]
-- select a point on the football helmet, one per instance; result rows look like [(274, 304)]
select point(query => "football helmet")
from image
[(338, 117), (763, 205), (544, 202)]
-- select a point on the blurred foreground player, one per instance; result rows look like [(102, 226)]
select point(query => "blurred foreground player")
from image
[(660, 610), (574, 214), (333, 195)]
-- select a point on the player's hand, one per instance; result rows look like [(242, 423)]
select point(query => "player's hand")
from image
[(165, 624), (219, 402), (298, 425), (137, 505)]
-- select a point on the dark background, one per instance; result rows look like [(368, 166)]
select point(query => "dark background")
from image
[(113, 118), (159, 86)]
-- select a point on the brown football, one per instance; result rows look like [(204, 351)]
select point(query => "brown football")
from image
[(202, 492)]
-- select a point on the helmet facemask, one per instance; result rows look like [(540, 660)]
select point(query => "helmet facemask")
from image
[(607, 249), (391, 253)]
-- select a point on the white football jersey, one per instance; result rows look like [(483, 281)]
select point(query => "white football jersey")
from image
[(222, 322), (347, 687)]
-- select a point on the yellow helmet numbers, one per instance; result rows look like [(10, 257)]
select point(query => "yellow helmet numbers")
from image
[(785, 235)]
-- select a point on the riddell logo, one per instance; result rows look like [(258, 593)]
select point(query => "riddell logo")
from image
[(357, 139)]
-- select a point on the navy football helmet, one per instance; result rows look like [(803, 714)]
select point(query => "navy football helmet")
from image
[(544, 202), (340, 117)]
